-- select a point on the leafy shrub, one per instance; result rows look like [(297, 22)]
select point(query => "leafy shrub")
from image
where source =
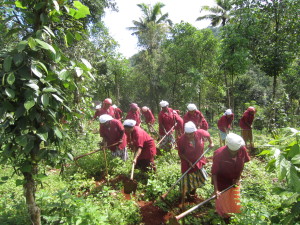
[(12, 203), (108, 207)]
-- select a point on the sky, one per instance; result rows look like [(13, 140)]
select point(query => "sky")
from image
[(179, 10)]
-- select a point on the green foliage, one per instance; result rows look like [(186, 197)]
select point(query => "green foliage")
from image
[(284, 160), (12, 203)]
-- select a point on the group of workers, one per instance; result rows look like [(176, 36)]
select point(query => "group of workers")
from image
[(191, 133)]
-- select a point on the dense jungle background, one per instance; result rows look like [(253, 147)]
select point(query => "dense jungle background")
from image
[(58, 61)]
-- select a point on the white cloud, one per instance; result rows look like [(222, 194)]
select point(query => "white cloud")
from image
[(179, 10)]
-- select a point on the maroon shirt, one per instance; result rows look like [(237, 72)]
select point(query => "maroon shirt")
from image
[(140, 138), (180, 124), (118, 114), (226, 168), (204, 124), (196, 118), (246, 120), (114, 133), (134, 115), (225, 122), (192, 152), (110, 111), (149, 118), (166, 121)]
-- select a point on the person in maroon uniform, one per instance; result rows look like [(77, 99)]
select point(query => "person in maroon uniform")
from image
[(149, 118), (113, 133), (195, 116), (142, 144), (227, 167), (190, 147), (179, 128), (246, 125), (134, 113), (118, 113), (167, 121), (224, 125), (105, 109)]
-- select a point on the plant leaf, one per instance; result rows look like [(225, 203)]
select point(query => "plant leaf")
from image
[(18, 59), (7, 63), (45, 45), (49, 31), (43, 136), (11, 78), (29, 104), (21, 140), (35, 70), (70, 156), (56, 5), (10, 93), (64, 74), (45, 99), (50, 89), (296, 159), (19, 5), (57, 133), (33, 86), (86, 63), (57, 98)]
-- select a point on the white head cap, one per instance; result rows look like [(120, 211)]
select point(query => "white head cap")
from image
[(98, 106), (107, 101), (144, 108), (104, 118), (234, 141), (114, 106), (228, 112), (192, 107), (189, 127), (163, 103), (129, 123)]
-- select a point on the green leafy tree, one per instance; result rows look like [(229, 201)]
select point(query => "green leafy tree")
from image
[(36, 79), (192, 62), (232, 54), (285, 160), (269, 27), (151, 30)]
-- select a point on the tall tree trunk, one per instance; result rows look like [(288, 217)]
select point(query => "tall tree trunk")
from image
[(199, 98), (231, 93), (274, 100), (117, 89), (29, 193), (227, 90)]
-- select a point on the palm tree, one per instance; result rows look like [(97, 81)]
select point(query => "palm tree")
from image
[(219, 14), (151, 28)]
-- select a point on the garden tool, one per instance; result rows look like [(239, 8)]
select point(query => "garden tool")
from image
[(191, 167), (166, 135), (130, 186), (221, 144), (106, 167), (89, 153), (153, 129), (174, 220)]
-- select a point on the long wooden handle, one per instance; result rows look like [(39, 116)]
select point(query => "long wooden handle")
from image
[(165, 135), (89, 153), (191, 167), (200, 204), (132, 169)]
